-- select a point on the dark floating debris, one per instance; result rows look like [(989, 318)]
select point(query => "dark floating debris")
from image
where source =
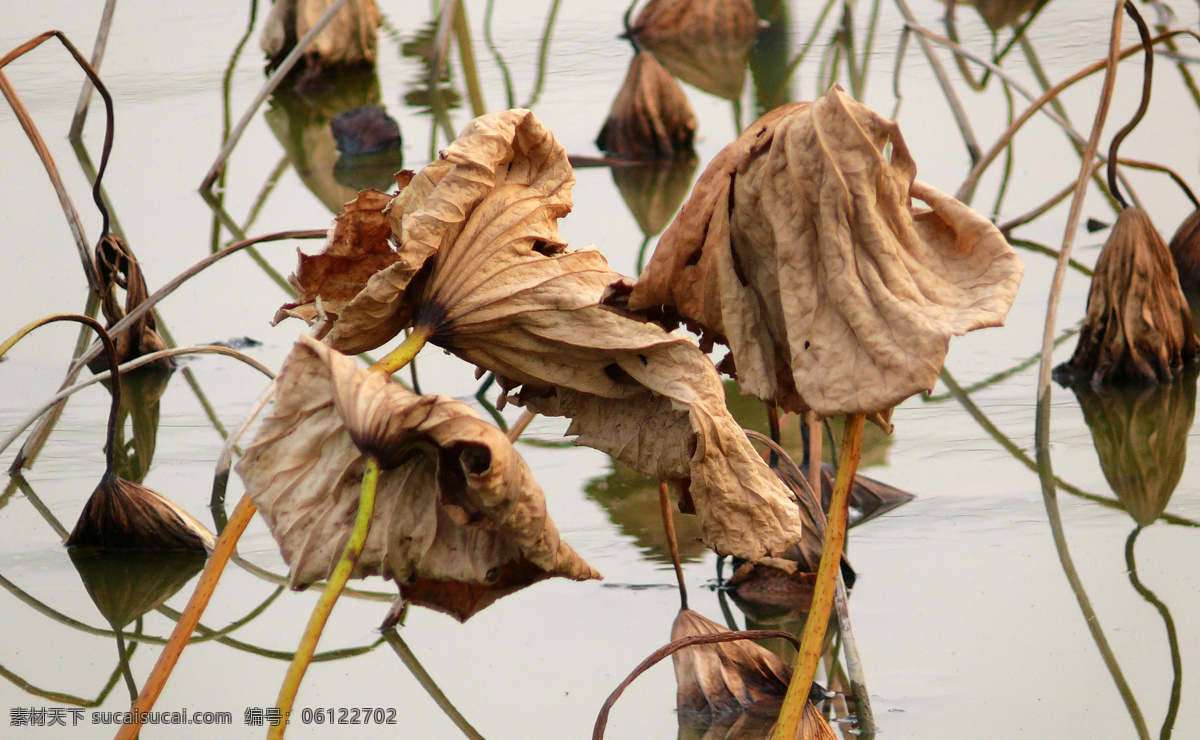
[(365, 130)]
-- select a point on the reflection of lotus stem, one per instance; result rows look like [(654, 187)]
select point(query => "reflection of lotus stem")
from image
[(1172, 636), (412, 664), (337, 581), (191, 614), (1050, 499), (813, 639), (403, 354)]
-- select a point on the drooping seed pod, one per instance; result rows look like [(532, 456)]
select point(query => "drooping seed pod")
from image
[(1138, 328), (1185, 253), (650, 118)]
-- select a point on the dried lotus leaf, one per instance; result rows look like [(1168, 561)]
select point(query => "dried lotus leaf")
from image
[(723, 678), (1138, 327), (650, 118), (351, 36), (357, 247), (499, 289), (458, 520), (807, 204)]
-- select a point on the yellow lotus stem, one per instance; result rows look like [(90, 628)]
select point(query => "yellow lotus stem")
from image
[(333, 589), (8, 343), (813, 638), (403, 354), (190, 617)]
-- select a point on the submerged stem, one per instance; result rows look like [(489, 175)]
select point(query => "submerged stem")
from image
[(813, 638), (333, 589)]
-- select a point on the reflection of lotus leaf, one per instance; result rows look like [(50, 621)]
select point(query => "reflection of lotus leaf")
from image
[(126, 585), (301, 124), (653, 193), (1141, 437), (705, 43), (631, 502)]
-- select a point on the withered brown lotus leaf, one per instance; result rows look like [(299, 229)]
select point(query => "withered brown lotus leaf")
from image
[(800, 249), (117, 267), (123, 515), (705, 43), (500, 290), (1138, 327), (1141, 436), (458, 520), (357, 247), (351, 37), (1185, 252), (650, 118), (725, 678)]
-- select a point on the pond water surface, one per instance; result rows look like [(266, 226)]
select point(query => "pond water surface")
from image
[(973, 602)]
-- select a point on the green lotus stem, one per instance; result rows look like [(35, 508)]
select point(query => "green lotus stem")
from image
[(813, 639), (403, 354), (337, 581)]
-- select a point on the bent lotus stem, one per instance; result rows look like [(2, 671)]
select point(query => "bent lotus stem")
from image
[(403, 354), (205, 587), (813, 638), (333, 589)]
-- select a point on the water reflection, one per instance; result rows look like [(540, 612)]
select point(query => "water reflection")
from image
[(141, 393), (631, 503), (705, 44), (1141, 436), (301, 121)]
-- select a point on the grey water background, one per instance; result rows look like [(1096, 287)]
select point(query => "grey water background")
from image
[(967, 622)]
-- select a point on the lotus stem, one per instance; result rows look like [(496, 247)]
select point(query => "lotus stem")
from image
[(673, 647), (403, 354), (413, 665), (300, 49), (1077, 198), (813, 638), (517, 429), (333, 589), (205, 587), (664, 505), (109, 348), (1147, 81), (466, 54)]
